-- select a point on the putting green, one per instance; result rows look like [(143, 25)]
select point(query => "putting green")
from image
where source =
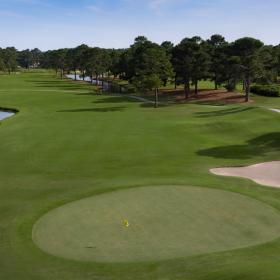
[(165, 222)]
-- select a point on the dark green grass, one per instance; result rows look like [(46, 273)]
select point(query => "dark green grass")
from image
[(68, 143)]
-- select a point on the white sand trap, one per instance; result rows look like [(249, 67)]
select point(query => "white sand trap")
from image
[(267, 174), (275, 110)]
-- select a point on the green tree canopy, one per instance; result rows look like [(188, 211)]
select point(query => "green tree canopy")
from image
[(248, 50)]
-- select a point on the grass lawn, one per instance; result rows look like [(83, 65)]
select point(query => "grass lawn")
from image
[(68, 144)]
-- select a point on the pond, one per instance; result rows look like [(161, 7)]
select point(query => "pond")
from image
[(108, 86), (104, 85)]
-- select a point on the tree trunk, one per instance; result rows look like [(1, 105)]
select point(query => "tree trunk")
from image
[(102, 82), (83, 75), (175, 82), (61, 73), (196, 88), (91, 79), (216, 83), (156, 98), (247, 89), (75, 75), (187, 88), (228, 85)]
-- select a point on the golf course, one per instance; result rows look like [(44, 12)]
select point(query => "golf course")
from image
[(104, 186)]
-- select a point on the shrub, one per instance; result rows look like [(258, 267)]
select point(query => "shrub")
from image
[(230, 86), (114, 87), (129, 88), (266, 90)]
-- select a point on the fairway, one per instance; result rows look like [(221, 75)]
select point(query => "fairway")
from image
[(76, 164), (165, 222)]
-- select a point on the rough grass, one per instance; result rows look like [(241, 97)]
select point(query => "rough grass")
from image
[(68, 143)]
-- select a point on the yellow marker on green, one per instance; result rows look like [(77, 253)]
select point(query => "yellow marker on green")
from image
[(126, 223)]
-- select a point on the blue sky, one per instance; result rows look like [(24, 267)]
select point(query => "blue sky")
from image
[(51, 24)]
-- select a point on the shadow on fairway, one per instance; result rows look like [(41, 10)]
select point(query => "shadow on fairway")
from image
[(58, 84), (211, 103), (115, 99), (152, 105), (223, 112), (91, 92), (261, 145), (98, 110)]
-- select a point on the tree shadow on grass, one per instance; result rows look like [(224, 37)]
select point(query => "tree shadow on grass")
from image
[(214, 103), (223, 112), (152, 105), (257, 146), (115, 99), (58, 84), (89, 93), (98, 110)]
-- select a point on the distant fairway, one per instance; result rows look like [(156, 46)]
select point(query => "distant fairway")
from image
[(165, 222)]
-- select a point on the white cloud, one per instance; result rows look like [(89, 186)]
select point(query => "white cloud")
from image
[(96, 9), (156, 4)]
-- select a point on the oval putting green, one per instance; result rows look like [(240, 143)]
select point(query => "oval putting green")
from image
[(155, 223)]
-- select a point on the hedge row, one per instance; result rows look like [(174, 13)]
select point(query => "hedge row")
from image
[(266, 90)]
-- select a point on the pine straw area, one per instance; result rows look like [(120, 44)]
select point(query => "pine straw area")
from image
[(220, 96)]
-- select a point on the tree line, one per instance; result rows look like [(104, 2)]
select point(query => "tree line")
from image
[(148, 65)]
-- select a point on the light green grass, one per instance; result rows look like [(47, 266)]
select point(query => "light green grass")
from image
[(67, 143), (166, 222)]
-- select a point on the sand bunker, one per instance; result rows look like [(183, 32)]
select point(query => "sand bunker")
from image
[(5, 114), (275, 110), (267, 173)]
